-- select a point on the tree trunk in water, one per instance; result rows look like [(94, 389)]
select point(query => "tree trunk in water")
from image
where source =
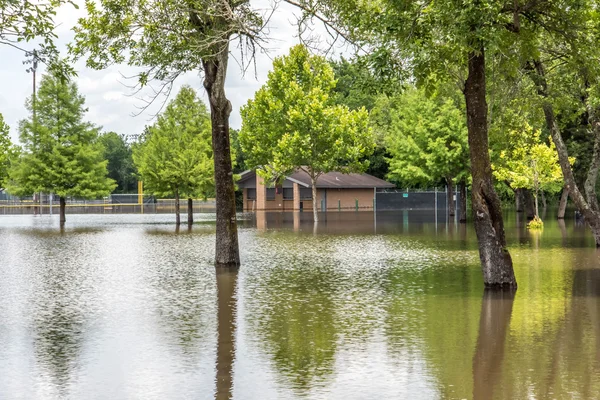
[(519, 200), (313, 182), (592, 217), (562, 205), (177, 209), (537, 210), (190, 212), (215, 69), (462, 186), (496, 262), (544, 204), (529, 203), (226, 311), (451, 204), (494, 321), (63, 207)]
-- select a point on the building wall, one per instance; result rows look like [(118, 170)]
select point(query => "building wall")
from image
[(346, 197)]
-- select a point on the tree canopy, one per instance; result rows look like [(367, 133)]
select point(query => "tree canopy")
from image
[(7, 151), (120, 162), (176, 157), (61, 153), (293, 122)]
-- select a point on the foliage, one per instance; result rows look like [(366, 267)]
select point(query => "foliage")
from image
[(120, 161), (7, 151), (536, 223), (530, 164), (293, 122), (61, 152), (167, 37), (358, 85), (176, 156), (25, 20), (237, 153), (426, 139)]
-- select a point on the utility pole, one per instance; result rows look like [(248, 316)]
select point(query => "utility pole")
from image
[(32, 59)]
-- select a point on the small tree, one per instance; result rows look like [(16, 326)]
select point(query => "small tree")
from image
[(533, 165), (7, 151), (176, 157), (427, 141), (61, 153), (120, 161), (293, 123)]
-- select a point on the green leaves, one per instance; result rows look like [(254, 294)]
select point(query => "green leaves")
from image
[(176, 154), (426, 139), (61, 152), (7, 151), (293, 122), (166, 37), (530, 163)]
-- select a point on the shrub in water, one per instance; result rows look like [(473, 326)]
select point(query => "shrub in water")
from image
[(535, 223)]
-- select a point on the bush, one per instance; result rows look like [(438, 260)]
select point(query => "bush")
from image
[(535, 223)]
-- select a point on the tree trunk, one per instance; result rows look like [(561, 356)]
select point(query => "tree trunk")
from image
[(177, 209), (519, 199), (215, 69), (537, 210), (451, 204), (591, 216), (190, 211), (462, 186), (495, 259), (562, 205), (592, 176), (226, 311), (529, 203), (494, 322), (63, 207), (313, 182), (544, 204)]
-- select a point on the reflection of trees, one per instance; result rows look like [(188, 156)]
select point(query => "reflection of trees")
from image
[(297, 323), (59, 320), (226, 311), (433, 313), (496, 309)]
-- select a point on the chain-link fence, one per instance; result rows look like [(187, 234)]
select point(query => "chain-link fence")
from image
[(113, 204)]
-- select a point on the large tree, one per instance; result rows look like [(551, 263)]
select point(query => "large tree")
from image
[(120, 161), (61, 153), (427, 142), (168, 38), (176, 157), (449, 40), (293, 122)]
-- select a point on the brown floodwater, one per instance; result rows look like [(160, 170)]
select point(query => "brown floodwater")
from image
[(392, 307)]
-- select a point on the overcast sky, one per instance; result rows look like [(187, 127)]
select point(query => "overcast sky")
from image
[(110, 102)]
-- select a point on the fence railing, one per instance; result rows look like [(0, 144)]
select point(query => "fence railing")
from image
[(113, 204)]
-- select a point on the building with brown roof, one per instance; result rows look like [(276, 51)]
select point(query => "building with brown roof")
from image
[(335, 192)]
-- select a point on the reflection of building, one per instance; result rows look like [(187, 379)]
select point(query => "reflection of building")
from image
[(335, 191)]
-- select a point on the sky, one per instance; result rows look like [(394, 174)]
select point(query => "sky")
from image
[(110, 102)]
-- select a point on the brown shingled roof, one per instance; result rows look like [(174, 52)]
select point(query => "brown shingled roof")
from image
[(339, 180)]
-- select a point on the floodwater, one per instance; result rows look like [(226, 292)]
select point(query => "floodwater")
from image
[(124, 307)]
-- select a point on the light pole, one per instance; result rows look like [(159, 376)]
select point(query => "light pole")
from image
[(32, 59)]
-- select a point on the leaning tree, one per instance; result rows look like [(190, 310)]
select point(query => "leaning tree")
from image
[(168, 38)]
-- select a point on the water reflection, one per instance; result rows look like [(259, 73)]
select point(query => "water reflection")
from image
[(226, 312), (496, 309), (369, 307)]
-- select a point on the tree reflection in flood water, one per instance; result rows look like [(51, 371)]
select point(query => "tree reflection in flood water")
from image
[(119, 307)]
